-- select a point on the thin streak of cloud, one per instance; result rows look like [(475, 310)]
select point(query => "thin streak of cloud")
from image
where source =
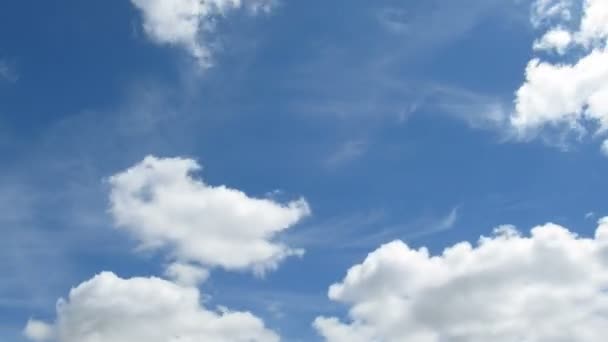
[(447, 222), (370, 229), (346, 152)]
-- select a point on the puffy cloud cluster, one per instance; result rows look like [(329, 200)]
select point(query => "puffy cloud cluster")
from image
[(546, 287), (557, 39), (188, 23), (544, 11), (164, 207), (108, 308), (200, 226), (570, 94)]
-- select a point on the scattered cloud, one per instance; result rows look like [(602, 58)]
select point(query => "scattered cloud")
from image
[(556, 39), (448, 222), (163, 206), (605, 147), (545, 11), (394, 19), (568, 95), (191, 23), (370, 229), (8, 71), (186, 274), (476, 109), (552, 278), (39, 331), (341, 81), (109, 308), (346, 152)]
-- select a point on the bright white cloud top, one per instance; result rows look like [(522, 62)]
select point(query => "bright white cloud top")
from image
[(160, 203), (549, 286), (189, 23), (163, 206), (108, 308), (571, 94)]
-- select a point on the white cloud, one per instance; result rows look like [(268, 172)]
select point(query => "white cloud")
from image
[(108, 308), (544, 11), (546, 287), (568, 95), (186, 274), (563, 94), (594, 24), (556, 39), (605, 147), (39, 331), (188, 23), (163, 206)]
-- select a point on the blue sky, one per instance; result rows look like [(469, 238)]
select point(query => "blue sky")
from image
[(393, 119)]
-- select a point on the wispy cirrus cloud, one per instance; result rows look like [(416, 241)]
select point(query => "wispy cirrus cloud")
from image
[(370, 229), (346, 152), (8, 71)]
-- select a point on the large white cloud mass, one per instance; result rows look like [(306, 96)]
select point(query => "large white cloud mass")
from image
[(163, 206), (187, 23), (110, 309), (568, 92), (547, 287)]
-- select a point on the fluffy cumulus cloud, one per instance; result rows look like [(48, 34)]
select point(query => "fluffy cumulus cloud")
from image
[(568, 92), (39, 331), (544, 11), (549, 286), (186, 274), (556, 39), (108, 308), (161, 204), (189, 23)]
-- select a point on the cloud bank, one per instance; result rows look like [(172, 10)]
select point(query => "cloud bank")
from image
[(546, 287)]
